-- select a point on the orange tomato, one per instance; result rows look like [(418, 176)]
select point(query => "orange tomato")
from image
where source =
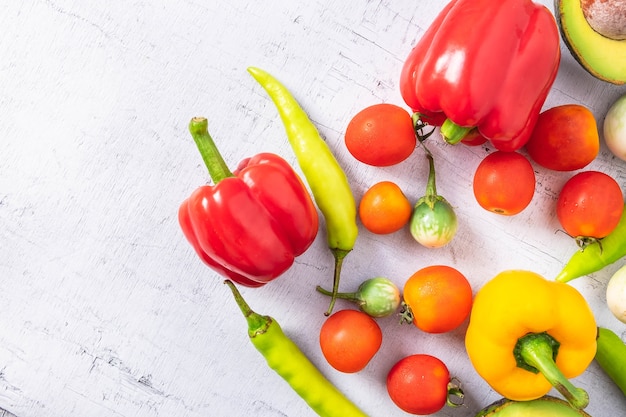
[(565, 138), (504, 183), (381, 135), (384, 208), (349, 339), (439, 297)]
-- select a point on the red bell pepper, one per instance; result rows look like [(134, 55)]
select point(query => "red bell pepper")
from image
[(251, 224), (485, 64)]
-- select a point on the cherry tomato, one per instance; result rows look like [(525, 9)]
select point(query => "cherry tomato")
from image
[(565, 138), (504, 183), (439, 298), (590, 205), (384, 208), (349, 340), (381, 135), (418, 384)]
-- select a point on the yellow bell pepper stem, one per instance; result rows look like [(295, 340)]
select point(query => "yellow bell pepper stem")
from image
[(537, 351)]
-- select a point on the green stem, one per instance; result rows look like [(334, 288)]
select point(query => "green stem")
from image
[(198, 127), (419, 126), (430, 198), (257, 324), (339, 255), (351, 296), (537, 353), (452, 132)]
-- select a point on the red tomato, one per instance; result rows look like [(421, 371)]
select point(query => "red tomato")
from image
[(418, 384), (440, 298), (590, 205), (504, 183), (565, 138), (381, 135), (349, 340)]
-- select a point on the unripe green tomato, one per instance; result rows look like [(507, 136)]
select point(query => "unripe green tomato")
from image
[(433, 227)]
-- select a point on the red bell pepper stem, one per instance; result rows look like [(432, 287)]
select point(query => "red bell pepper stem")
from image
[(453, 133), (218, 170)]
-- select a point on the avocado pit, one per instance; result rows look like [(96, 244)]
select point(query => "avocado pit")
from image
[(607, 17)]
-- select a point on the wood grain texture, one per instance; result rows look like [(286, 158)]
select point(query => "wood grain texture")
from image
[(104, 308)]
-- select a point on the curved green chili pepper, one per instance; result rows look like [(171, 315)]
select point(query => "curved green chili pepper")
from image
[(610, 356), (597, 255), (286, 358), (325, 177)]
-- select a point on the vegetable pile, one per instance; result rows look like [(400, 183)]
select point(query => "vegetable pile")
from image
[(526, 334)]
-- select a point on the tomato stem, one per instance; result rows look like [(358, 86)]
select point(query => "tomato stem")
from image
[(431, 186), (456, 396), (406, 315), (419, 125)]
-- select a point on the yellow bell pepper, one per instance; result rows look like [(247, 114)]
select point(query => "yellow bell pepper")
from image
[(527, 334)]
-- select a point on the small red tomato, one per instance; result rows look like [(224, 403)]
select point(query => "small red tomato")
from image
[(565, 138), (381, 135), (504, 183), (590, 205), (418, 384), (349, 340)]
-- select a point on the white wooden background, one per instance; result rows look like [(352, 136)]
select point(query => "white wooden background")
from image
[(104, 308)]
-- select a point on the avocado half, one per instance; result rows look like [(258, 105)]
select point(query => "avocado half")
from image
[(603, 57)]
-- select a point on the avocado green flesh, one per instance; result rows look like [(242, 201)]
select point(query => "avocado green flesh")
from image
[(546, 406), (603, 57)]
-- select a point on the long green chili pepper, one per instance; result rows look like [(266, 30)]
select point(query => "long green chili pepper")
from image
[(325, 177), (286, 358), (610, 356), (597, 255)]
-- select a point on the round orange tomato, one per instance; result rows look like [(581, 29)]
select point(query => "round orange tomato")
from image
[(504, 183), (384, 208), (590, 205), (381, 135), (349, 339), (439, 298), (565, 138)]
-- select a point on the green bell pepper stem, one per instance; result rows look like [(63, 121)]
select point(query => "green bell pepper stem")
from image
[(454, 133), (536, 352), (288, 361), (198, 127)]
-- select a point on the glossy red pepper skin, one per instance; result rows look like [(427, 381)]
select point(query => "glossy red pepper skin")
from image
[(251, 224), (485, 64)]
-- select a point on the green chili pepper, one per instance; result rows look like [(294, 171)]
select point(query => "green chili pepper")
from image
[(286, 358), (325, 177), (610, 356), (597, 255)]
